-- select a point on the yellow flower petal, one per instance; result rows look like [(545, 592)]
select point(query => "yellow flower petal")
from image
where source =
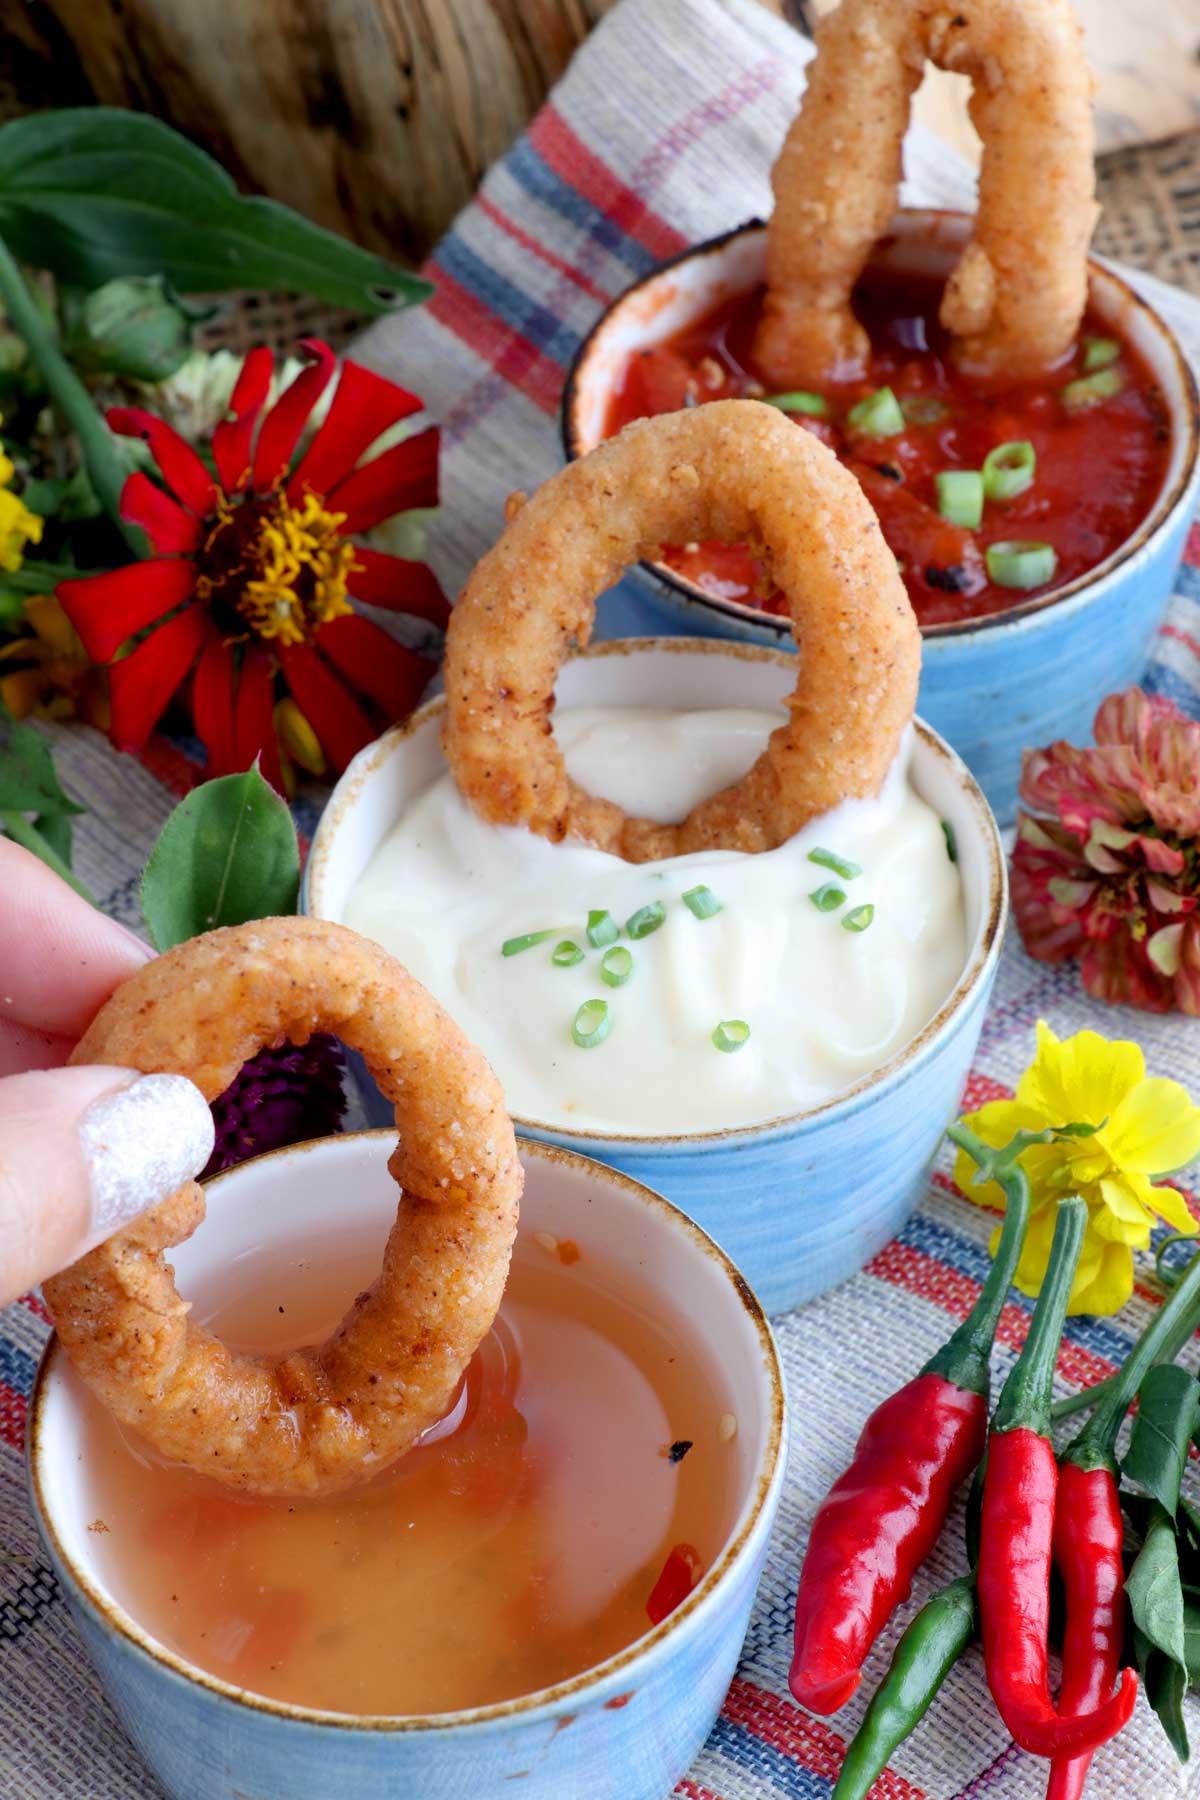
[(1170, 1205), (1117, 1220), (1105, 1286), (1080, 1078), (1155, 1129)]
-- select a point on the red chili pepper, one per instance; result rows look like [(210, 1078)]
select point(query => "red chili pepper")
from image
[(1018, 1529), (881, 1519), (1088, 1531), (680, 1573)]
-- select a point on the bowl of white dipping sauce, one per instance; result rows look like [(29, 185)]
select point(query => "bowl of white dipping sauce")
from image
[(860, 955)]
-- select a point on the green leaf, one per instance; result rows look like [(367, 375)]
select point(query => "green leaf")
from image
[(227, 853), (1165, 1682), (95, 192), (1168, 1409), (56, 830), (131, 327), (28, 782), (1191, 1639), (1157, 1605)]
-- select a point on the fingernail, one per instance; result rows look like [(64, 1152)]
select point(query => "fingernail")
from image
[(140, 1143)]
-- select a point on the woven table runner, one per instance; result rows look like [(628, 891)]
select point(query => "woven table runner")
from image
[(662, 132)]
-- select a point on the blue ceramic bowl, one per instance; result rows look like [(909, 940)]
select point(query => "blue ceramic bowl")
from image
[(993, 687), (799, 1202), (625, 1730)]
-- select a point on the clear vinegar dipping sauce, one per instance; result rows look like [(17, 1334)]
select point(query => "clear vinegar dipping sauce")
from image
[(582, 1481)]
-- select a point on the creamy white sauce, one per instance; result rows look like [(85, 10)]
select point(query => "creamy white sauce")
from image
[(825, 1005)]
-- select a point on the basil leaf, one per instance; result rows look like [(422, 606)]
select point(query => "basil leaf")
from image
[(1165, 1683), (1191, 1639), (1168, 1408), (28, 782), (94, 193), (1157, 1605), (227, 853)]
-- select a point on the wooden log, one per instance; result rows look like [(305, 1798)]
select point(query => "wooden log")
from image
[(375, 117)]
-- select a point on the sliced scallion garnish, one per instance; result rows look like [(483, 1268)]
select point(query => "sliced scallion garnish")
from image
[(1016, 564), (513, 946), (645, 920), (701, 902), (960, 496), (924, 409), (841, 865), (602, 929), (1090, 390), (878, 415), (591, 1024), (616, 966), (1099, 352), (566, 954), (731, 1034), (799, 401), (828, 897), (1008, 470), (858, 918)]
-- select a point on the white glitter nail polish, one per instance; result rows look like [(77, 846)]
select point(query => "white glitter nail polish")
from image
[(140, 1143)]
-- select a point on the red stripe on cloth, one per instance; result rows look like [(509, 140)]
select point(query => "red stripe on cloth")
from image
[(1181, 637), (807, 1741), (510, 355), (980, 1089), (1191, 550), (570, 157), (13, 1411), (527, 241), (37, 1307), (691, 1791)]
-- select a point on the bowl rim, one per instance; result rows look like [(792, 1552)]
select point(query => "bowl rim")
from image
[(634, 1661), (1080, 589), (974, 975)]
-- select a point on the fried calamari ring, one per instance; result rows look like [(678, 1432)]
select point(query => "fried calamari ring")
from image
[(734, 470), (315, 1420), (1015, 299)]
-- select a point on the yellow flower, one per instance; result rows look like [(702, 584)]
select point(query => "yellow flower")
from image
[(1146, 1126), (18, 526)]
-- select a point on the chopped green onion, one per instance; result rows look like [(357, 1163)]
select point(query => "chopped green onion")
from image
[(1099, 352), (701, 902), (592, 1024), (828, 897), (841, 865), (799, 402), (960, 496), (1009, 469), (566, 954), (924, 409), (616, 966), (645, 920), (858, 918), (731, 1034), (1014, 564), (951, 840), (1089, 390), (602, 929), (514, 946), (878, 415)]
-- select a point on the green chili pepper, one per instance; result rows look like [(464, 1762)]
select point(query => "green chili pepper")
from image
[(926, 1653)]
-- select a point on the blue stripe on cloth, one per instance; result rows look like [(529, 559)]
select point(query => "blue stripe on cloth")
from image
[(969, 1258), (785, 1775), (541, 183), (1162, 679), (534, 321), (1187, 582), (17, 1368)]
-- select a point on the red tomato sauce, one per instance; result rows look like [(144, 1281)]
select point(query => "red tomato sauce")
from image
[(1100, 462)]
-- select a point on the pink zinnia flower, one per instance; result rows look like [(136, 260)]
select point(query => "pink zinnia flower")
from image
[(1106, 869)]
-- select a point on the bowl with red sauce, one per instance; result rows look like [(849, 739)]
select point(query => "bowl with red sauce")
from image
[(1038, 526), (548, 1595)]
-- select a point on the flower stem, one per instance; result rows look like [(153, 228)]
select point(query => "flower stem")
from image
[(21, 831), (104, 462)]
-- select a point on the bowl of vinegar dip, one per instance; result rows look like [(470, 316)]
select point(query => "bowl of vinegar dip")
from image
[(775, 1042), (550, 1591)]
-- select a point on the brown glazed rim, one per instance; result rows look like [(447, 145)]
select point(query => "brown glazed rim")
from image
[(736, 610), (579, 1688), (346, 794)]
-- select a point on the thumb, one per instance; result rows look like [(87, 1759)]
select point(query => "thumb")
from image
[(82, 1152)]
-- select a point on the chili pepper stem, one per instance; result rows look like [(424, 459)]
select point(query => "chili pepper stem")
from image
[(965, 1357), (1025, 1398)]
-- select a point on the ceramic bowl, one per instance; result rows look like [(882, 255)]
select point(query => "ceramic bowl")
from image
[(626, 1730), (993, 686), (799, 1202)]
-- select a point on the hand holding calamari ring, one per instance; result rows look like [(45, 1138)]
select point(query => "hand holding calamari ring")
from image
[(1015, 300), (738, 471), (315, 1420)]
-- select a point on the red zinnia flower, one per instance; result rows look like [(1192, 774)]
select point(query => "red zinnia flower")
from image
[(250, 591), (1106, 869)]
